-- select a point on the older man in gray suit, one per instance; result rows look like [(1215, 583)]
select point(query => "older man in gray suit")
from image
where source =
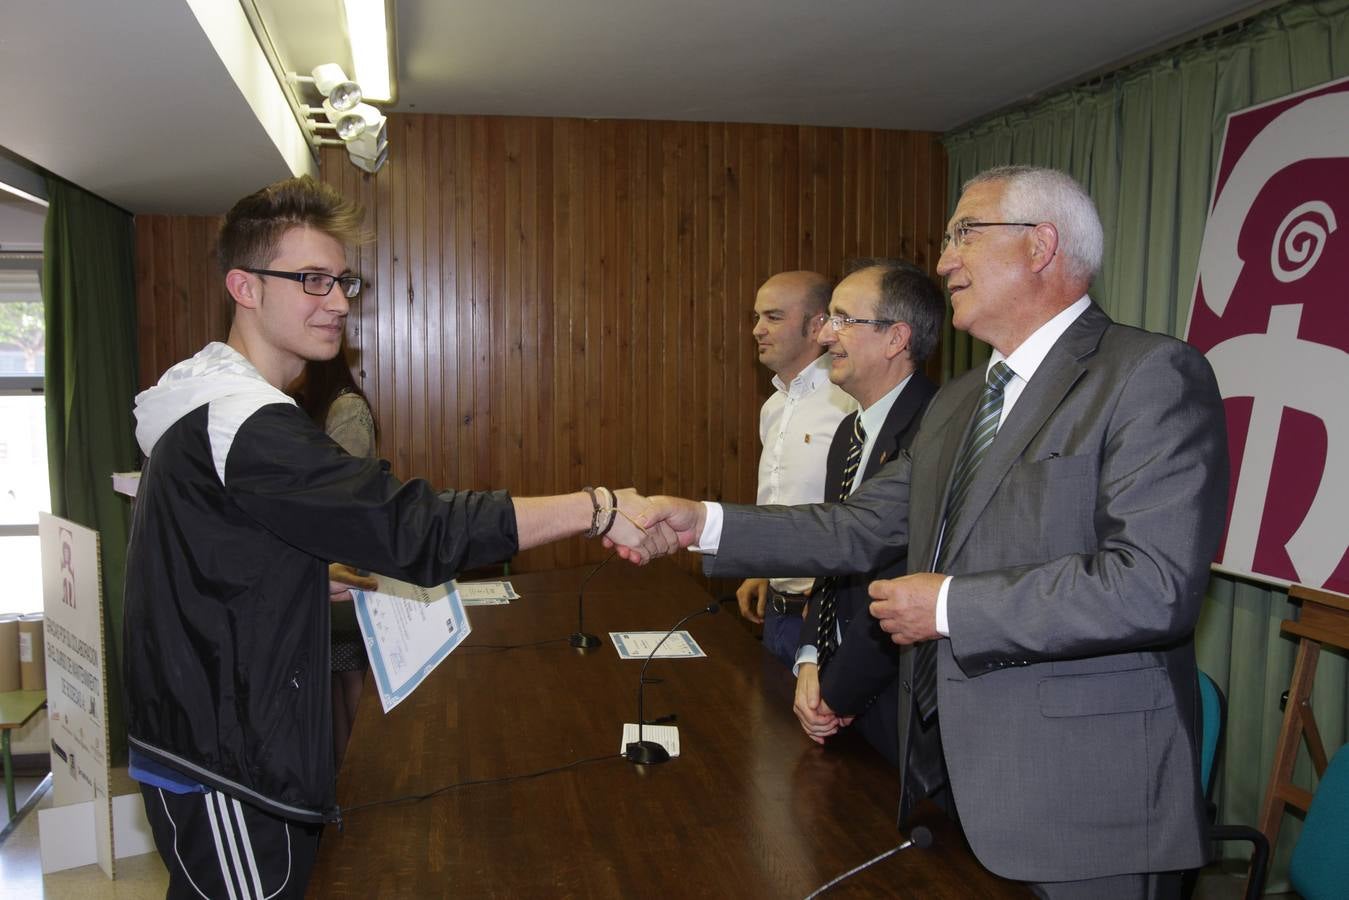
[(1061, 506)]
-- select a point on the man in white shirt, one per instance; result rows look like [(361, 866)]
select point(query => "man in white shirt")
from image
[(796, 426)]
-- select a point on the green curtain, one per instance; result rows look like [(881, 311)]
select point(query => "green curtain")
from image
[(88, 288), (1145, 143)]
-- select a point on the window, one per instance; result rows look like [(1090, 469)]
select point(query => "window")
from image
[(24, 485)]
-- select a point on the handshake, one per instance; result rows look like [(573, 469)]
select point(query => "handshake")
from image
[(647, 528)]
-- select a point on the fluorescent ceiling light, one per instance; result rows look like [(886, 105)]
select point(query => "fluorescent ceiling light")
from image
[(11, 189), (368, 31)]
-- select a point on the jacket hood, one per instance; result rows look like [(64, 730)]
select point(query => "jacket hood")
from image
[(217, 372)]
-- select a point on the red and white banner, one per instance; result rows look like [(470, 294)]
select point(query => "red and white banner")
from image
[(1271, 313)]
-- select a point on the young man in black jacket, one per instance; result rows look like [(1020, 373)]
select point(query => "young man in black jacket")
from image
[(243, 501)]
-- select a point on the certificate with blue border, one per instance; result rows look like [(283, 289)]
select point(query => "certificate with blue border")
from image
[(407, 631)]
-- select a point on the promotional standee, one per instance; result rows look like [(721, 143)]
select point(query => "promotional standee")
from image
[(78, 830)]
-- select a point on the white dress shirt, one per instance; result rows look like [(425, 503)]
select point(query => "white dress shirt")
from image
[(796, 426)]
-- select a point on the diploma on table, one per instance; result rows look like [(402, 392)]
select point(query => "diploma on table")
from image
[(408, 630)]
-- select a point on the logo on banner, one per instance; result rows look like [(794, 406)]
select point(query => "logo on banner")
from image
[(1271, 313)]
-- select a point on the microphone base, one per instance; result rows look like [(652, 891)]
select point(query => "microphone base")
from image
[(583, 641), (646, 753)]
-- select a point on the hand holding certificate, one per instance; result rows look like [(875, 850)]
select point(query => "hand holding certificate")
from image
[(408, 630)]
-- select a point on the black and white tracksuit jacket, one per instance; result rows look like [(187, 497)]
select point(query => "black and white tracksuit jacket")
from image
[(242, 503)]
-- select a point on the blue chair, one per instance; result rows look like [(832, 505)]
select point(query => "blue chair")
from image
[(1319, 869), (1213, 724)]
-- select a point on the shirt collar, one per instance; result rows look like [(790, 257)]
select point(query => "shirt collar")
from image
[(807, 380), (1027, 358), (874, 416)]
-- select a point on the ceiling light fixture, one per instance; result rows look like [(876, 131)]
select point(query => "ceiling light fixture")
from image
[(362, 128), (370, 34), (333, 84)]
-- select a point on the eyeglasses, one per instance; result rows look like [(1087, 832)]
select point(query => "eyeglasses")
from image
[(840, 323), (961, 232), (317, 283)]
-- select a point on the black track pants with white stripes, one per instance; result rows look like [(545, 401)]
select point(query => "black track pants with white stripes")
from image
[(218, 848)]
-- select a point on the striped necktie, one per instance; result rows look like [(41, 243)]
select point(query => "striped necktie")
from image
[(982, 431), (827, 637)]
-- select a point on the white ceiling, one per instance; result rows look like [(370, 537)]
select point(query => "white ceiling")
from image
[(130, 100)]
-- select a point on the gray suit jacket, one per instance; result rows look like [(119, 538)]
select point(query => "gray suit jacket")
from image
[(1067, 688)]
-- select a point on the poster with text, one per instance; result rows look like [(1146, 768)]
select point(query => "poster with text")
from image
[(76, 673), (1271, 313)]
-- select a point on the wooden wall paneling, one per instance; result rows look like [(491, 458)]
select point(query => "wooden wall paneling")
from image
[(848, 200), (379, 340), (618, 283), (480, 299), (908, 218), (460, 152), (922, 163), (187, 254), (658, 349), (868, 195), (721, 444), (751, 375), (535, 316), (789, 181), (503, 363), (888, 213), (433, 307), (415, 298), (672, 386), (571, 361), (639, 317), (376, 336), (598, 453), (689, 402), (760, 232), (837, 189), (405, 357), (709, 452), (184, 277), (553, 302)]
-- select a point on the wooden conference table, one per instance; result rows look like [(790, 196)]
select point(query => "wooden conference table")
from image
[(750, 808)]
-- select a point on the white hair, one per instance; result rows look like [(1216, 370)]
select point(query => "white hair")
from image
[(1048, 195)]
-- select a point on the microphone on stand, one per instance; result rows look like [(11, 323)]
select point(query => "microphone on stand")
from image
[(644, 752), (579, 638), (920, 837)]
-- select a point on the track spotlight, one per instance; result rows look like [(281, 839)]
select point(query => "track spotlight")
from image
[(336, 87), (361, 127)]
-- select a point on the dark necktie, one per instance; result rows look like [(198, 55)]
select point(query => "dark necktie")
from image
[(972, 453), (827, 639)]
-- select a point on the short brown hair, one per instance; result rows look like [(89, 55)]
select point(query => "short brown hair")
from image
[(254, 227), (907, 295)]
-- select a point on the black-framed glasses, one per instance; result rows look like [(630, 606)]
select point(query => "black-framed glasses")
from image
[(839, 323), (317, 283), (961, 232)]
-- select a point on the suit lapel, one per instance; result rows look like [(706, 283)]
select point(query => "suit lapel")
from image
[(1052, 381), (950, 419), (907, 406)]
